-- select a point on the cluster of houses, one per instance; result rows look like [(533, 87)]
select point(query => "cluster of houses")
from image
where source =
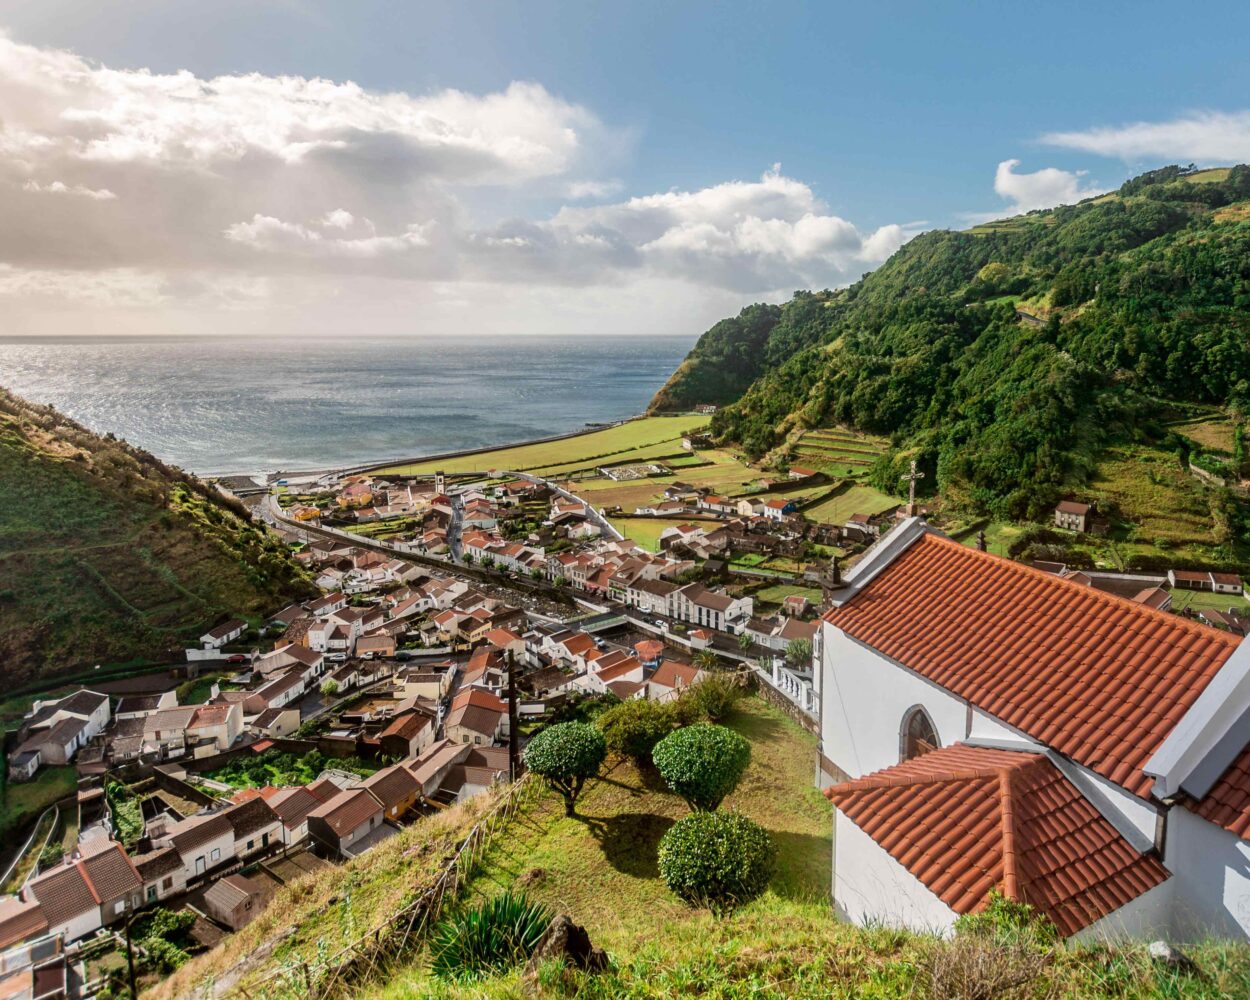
[(339, 816)]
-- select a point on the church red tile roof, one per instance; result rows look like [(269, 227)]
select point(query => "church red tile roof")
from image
[(1227, 804), (1095, 676), (964, 820)]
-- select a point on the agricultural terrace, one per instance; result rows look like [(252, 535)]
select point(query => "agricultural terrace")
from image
[(837, 452), (624, 443)]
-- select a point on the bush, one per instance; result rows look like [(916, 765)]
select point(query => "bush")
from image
[(702, 763), (493, 936), (1006, 921), (715, 696), (634, 727), (718, 860), (564, 756)]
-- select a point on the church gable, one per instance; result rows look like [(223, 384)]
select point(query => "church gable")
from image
[(964, 820), (1100, 679)]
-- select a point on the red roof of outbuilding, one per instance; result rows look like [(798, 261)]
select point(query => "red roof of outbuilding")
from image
[(1095, 676), (965, 820)]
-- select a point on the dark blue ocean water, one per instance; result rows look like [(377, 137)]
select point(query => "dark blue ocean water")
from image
[(224, 404)]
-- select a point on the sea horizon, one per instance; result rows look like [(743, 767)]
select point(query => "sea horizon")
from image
[(230, 404)]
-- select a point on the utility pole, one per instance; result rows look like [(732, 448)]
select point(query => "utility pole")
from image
[(513, 735)]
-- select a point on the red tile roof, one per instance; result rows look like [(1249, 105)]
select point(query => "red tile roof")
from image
[(964, 820), (1095, 676), (1227, 804)]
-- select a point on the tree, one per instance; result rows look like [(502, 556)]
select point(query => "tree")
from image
[(705, 659), (329, 687), (634, 727), (799, 652), (714, 696), (719, 860), (702, 763), (745, 641), (564, 756)]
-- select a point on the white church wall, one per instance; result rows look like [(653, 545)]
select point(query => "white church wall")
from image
[(1146, 918), (870, 886), (864, 699), (1212, 874)]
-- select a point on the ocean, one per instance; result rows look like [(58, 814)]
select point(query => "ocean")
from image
[(229, 404)]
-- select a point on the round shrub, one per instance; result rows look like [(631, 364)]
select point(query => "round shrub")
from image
[(495, 935), (702, 763), (564, 756), (634, 727), (716, 859)]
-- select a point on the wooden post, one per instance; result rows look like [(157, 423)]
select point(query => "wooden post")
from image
[(513, 735)]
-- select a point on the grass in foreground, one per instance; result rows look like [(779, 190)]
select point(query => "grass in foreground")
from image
[(600, 867)]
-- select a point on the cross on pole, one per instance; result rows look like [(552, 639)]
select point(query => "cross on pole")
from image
[(910, 479)]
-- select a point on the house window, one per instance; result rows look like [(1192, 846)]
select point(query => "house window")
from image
[(151, 893), (216, 855), (199, 865), (250, 843), (168, 883), (917, 736)]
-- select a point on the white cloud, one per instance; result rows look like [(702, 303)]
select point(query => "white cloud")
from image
[(581, 190), (253, 189), (1202, 136), (1043, 188), (340, 218), (58, 187)]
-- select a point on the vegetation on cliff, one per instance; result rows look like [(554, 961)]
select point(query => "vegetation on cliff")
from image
[(1007, 357), (108, 555)]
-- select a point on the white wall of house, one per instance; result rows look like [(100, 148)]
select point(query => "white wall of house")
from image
[(864, 699), (869, 885), (259, 839), (1211, 897), (79, 926), (1145, 918)]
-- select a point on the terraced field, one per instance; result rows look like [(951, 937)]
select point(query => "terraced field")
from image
[(838, 452)]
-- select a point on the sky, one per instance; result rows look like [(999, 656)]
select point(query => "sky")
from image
[(333, 169)]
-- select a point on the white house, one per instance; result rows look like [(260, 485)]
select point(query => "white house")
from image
[(224, 633), (698, 605), (989, 725), (55, 731)]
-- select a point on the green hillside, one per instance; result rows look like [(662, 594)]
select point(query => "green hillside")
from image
[(1009, 358), (107, 555)]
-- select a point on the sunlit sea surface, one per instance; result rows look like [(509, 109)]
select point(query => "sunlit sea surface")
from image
[(223, 404)]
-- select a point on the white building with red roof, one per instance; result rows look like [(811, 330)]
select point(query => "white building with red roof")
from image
[(986, 725)]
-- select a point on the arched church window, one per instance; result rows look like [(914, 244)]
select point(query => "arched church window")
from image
[(918, 735)]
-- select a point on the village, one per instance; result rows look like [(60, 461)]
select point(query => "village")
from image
[(460, 612)]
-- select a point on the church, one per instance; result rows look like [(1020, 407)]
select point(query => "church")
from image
[(989, 726)]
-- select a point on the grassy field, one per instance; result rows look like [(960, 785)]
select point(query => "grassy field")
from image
[(25, 800), (1210, 433), (600, 866), (859, 499), (777, 593), (643, 530), (610, 444)]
